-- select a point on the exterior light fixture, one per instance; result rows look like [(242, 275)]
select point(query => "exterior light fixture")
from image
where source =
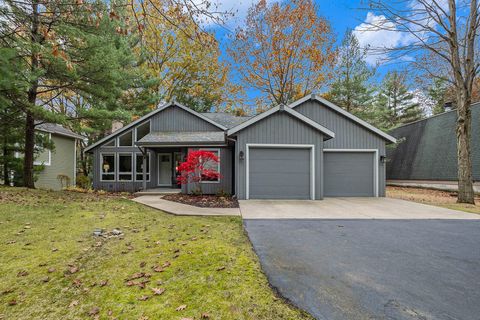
[(383, 159), (241, 155)]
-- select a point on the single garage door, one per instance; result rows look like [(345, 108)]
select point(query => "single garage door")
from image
[(348, 174), (279, 173)]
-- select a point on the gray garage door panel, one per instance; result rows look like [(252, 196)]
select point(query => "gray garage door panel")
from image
[(348, 174), (279, 173)]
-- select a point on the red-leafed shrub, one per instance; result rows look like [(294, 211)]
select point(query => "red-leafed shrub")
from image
[(197, 168)]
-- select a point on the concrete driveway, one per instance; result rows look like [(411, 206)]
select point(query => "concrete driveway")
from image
[(420, 264), (347, 208)]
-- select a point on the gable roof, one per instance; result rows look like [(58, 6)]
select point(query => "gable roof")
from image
[(226, 119), (344, 113), (150, 114), (58, 129), (290, 111)]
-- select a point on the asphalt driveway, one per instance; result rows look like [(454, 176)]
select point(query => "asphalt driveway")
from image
[(373, 269)]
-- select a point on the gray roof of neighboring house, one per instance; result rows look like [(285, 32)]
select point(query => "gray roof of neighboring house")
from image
[(428, 150), (58, 129), (169, 138), (225, 119)]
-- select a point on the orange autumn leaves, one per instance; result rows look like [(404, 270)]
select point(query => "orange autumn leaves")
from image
[(285, 50)]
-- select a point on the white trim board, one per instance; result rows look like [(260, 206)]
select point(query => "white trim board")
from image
[(344, 113), (376, 164), (272, 145), (328, 133)]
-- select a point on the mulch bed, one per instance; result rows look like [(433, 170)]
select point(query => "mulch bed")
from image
[(204, 201)]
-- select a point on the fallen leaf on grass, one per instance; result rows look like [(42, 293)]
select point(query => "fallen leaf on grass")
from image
[(50, 270), (103, 283), (144, 298), (166, 264), (187, 319), (221, 268), (205, 316), (45, 279), (94, 311), (143, 264), (73, 269), (54, 249), (182, 307), (157, 269), (11, 242), (158, 291), (22, 273), (12, 302), (73, 304)]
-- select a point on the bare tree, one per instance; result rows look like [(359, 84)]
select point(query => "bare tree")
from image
[(446, 30)]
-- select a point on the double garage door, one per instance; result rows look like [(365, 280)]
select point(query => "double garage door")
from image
[(286, 173)]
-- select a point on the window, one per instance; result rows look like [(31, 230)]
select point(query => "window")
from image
[(125, 167), (108, 167), (126, 139), (42, 149), (139, 167), (111, 143), (143, 130), (213, 166)]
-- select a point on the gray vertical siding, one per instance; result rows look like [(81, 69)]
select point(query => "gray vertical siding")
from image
[(176, 119), (279, 128), (348, 134), (63, 160)]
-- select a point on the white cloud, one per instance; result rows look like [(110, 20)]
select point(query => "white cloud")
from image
[(377, 34)]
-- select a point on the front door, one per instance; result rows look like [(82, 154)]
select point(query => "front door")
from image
[(165, 169)]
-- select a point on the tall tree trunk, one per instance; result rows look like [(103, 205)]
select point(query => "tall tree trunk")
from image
[(28, 179), (465, 180), (6, 176)]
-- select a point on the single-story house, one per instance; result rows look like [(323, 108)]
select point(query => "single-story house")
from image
[(59, 164), (426, 154), (309, 149)]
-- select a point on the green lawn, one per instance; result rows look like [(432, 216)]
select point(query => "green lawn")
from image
[(52, 267)]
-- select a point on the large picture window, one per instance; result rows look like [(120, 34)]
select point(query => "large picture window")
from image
[(139, 167), (213, 166), (125, 167), (126, 140), (107, 167)]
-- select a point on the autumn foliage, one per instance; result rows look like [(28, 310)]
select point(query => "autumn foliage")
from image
[(197, 168), (285, 50)]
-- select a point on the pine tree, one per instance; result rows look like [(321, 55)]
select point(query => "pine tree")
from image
[(79, 47), (395, 103), (351, 89), (438, 93)]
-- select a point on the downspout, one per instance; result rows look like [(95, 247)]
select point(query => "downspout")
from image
[(144, 166)]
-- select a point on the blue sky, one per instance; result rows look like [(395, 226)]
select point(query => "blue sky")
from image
[(342, 15)]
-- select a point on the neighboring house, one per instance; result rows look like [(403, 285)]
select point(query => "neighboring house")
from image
[(307, 150), (427, 152), (61, 161)]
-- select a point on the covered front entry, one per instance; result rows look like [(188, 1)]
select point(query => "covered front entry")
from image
[(350, 173), (280, 172), (167, 168)]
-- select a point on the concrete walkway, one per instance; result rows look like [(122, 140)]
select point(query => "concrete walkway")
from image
[(347, 208), (176, 208)]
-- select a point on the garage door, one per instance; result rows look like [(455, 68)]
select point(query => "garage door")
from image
[(348, 174), (279, 173)]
